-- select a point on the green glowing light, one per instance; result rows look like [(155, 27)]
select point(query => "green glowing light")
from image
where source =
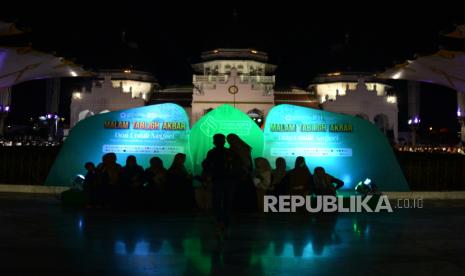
[(225, 120)]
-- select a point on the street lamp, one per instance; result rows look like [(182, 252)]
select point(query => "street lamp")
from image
[(52, 121), (4, 110), (414, 122), (461, 119)]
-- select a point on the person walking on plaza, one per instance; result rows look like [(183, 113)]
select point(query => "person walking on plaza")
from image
[(218, 165)]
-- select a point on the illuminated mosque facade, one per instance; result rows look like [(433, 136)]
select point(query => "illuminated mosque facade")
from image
[(242, 78)]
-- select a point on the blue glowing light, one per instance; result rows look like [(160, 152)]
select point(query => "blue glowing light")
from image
[(156, 130), (347, 147), (120, 248), (142, 248)]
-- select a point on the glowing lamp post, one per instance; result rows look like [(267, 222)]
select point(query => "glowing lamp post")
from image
[(52, 122), (461, 119), (414, 122), (4, 110)]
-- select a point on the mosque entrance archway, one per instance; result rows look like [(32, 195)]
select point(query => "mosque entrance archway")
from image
[(257, 116)]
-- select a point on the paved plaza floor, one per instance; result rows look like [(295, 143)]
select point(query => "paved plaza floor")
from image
[(39, 237)]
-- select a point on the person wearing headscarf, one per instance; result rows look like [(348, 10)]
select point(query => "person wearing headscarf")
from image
[(325, 184), (90, 186), (132, 176), (156, 176), (300, 178), (241, 154), (280, 177), (262, 180), (109, 178), (180, 183)]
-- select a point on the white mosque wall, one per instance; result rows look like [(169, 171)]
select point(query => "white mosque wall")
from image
[(100, 99), (253, 93), (381, 110)]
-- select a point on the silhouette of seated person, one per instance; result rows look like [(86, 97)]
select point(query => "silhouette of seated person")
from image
[(325, 184), (132, 179), (180, 187), (156, 177), (109, 177), (262, 180), (300, 178), (90, 186), (280, 178)]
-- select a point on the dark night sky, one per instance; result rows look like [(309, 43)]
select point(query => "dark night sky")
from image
[(302, 39)]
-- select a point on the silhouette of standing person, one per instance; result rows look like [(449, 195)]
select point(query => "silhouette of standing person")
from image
[(241, 152), (218, 165)]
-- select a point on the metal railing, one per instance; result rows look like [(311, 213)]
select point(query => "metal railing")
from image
[(242, 78), (210, 78)]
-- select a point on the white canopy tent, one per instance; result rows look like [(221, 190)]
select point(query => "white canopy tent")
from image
[(445, 68), (20, 64)]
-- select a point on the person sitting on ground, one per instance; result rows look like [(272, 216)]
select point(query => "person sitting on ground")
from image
[(203, 191), (90, 185), (323, 182), (109, 177), (156, 177), (262, 180), (156, 174), (300, 178), (180, 183), (280, 178), (132, 176)]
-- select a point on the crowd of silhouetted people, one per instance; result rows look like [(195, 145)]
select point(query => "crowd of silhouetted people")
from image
[(109, 184), (230, 180)]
